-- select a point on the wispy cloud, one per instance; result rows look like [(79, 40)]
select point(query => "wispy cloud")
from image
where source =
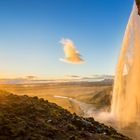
[(71, 53)]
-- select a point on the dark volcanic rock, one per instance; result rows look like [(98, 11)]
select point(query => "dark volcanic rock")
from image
[(30, 118), (138, 5)]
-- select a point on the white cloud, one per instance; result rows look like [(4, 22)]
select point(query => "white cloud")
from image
[(71, 53)]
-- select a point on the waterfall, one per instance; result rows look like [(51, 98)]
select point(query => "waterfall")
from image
[(125, 106)]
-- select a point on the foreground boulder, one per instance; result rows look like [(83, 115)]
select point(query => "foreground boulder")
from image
[(30, 118)]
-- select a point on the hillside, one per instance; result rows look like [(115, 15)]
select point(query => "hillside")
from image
[(30, 118), (102, 99)]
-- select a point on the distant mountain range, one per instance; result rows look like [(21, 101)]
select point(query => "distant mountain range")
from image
[(70, 78)]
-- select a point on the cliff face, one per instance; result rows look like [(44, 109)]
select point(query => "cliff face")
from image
[(138, 5), (30, 118)]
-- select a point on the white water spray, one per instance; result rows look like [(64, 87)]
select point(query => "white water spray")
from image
[(126, 93)]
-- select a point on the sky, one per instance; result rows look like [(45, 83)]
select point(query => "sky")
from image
[(31, 30)]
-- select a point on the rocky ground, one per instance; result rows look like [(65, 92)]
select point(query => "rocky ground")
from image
[(30, 118)]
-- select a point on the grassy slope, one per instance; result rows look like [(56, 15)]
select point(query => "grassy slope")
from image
[(102, 99), (30, 118)]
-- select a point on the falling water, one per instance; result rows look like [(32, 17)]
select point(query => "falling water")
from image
[(126, 93)]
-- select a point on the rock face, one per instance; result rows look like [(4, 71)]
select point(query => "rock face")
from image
[(30, 118), (138, 5)]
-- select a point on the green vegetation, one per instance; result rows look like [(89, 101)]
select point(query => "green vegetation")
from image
[(30, 118)]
